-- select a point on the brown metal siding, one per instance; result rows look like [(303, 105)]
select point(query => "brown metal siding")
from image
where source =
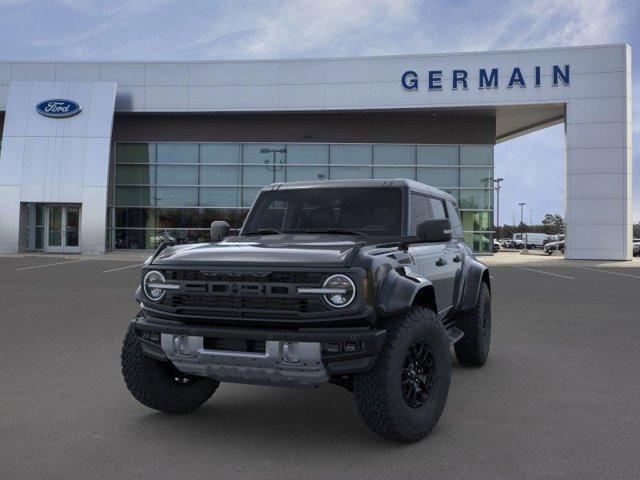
[(317, 127)]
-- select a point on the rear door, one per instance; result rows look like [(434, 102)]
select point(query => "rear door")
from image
[(429, 258), (449, 259)]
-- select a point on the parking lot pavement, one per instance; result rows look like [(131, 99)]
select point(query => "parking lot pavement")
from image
[(558, 397)]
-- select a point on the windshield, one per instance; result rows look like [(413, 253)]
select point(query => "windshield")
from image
[(369, 211)]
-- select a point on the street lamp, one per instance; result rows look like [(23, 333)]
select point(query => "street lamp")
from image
[(524, 239), (497, 182)]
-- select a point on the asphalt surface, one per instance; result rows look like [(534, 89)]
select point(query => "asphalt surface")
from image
[(558, 398)]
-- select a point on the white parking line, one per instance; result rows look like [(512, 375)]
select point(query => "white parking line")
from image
[(545, 273), (610, 273), (50, 264), (122, 268)]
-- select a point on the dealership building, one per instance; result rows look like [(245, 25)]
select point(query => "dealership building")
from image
[(109, 155)]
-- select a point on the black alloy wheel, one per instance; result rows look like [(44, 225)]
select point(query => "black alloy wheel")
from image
[(418, 374)]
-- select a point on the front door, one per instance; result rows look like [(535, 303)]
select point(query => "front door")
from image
[(62, 229)]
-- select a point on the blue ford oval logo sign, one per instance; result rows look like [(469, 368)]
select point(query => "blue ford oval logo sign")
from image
[(58, 108)]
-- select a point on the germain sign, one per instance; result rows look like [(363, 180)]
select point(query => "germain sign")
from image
[(487, 78), (58, 108)]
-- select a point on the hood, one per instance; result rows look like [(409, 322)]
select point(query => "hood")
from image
[(265, 251)]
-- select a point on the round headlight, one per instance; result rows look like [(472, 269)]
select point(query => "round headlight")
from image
[(345, 291), (150, 278)]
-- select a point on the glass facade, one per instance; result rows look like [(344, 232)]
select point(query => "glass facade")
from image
[(182, 187)]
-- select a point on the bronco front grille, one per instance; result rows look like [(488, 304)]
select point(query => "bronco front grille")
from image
[(243, 294)]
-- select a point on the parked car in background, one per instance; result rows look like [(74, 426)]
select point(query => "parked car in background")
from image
[(553, 246), (636, 247), (496, 246)]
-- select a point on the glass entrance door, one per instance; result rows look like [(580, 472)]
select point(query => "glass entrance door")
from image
[(62, 229)]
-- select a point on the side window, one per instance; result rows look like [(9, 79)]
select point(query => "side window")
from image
[(454, 216), (437, 206), (419, 212)]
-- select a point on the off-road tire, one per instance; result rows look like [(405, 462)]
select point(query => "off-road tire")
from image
[(473, 348), (378, 394), (153, 383)]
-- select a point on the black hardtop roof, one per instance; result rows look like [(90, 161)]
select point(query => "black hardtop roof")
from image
[(364, 183)]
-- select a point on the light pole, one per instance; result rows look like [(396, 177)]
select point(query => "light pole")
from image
[(497, 182), (524, 239), (522, 212), (273, 165)]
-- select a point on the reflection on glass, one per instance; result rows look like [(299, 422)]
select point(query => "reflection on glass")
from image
[(177, 152), (55, 227), (476, 155), (73, 226), (477, 221), (135, 152), (438, 155), (228, 176)]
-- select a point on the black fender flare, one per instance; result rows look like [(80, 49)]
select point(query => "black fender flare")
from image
[(475, 274), (398, 292)]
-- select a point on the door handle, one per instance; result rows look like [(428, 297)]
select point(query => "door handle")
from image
[(441, 262), (456, 258)]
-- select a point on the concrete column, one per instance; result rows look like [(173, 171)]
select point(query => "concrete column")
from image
[(598, 173)]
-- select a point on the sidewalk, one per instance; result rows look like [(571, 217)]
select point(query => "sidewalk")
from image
[(536, 257)]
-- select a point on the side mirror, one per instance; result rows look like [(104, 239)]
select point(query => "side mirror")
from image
[(219, 230), (435, 230)]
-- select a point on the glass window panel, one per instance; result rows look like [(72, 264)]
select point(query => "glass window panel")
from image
[(420, 212), (474, 221), (439, 177), (352, 155), (40, 219), (177, 152), (476, 155), (177, 175), (177, 196), (476, 177), (219, 175), (220, 153), (394, 172), (299, 174), (134, 239), (437, 208), (249, 195), (135, 153), (438, 155), (176, 218), (394, 155), (135, 196), (479, 242), (476, 199), (134, 217), (135, 175), (348, 173), (454, 216), (307, 154), (39, 238), (317, 155), (219, 197)]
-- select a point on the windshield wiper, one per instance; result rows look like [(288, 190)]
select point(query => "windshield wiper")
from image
[(263, 231), (344, 231)]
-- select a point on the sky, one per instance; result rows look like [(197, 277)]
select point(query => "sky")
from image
[(532, 166)]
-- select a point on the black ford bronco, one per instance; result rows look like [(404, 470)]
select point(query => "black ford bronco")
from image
[(362, 283)]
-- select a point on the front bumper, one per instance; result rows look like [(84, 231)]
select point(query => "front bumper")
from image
[(315, 366)]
